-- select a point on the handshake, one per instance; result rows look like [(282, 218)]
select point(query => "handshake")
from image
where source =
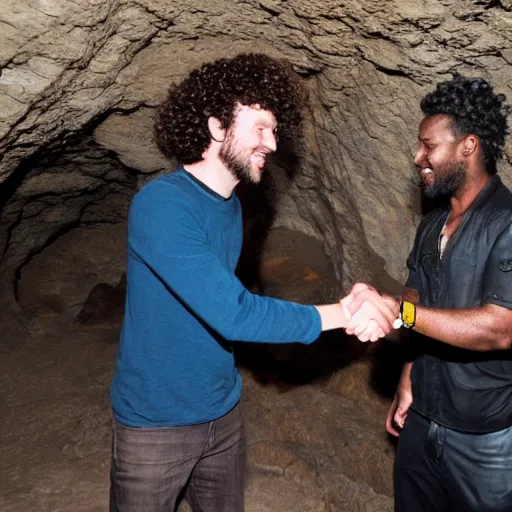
[(368, 314)]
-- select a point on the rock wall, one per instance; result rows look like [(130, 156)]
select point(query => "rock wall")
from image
[(79, 81)]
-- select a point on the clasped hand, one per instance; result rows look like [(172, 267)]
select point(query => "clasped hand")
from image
[(370, 315)]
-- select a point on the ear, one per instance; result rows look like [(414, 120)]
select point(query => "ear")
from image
[(470, 145), (217, 133)]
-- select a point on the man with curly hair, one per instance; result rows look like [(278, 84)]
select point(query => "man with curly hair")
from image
[(178, 427), (453, 406)]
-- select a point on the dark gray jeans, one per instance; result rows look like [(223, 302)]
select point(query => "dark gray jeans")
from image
[(153, 468), (438, 469)]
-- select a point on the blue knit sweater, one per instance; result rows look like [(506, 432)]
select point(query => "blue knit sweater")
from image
[(184, 306)]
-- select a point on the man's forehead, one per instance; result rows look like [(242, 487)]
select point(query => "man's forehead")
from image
[(255, 111), (435, 126)]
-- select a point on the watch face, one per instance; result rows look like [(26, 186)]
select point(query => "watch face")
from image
[(408, 313)]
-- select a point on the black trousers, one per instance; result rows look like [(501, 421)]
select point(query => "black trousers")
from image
[(438, 469)]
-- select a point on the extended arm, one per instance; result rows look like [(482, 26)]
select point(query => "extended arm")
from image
[(485, 328), (488, 327), (166, 234)]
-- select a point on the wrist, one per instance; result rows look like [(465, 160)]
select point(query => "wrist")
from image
[(407, 315)]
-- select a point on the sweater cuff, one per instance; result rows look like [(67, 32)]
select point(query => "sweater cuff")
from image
[(316, 326)]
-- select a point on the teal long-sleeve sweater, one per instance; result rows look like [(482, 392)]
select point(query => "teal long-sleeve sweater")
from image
[(184, 307)]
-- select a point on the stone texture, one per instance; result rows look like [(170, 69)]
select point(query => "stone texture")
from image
[(50, 284), (69, 65), (131, 137)]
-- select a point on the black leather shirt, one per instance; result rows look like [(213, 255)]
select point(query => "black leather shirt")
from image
[(462, 389)]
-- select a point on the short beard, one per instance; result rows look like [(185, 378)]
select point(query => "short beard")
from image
[(234, 161), (447, 181)]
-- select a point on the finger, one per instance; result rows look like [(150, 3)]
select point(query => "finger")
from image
[(345, 307), (363, 325), (358, 287), (360, 335), (389, 421), (367, 328), (361, 329), (379, 304), (349, 299), (390, 429), (370, 331), (373, 331), (389, 309), (367, 324), (358, 322), (400, 417), (393, 304), (377, 335), (357, 297), (362, 338), (374, 312)]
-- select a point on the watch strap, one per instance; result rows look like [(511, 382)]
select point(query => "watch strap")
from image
[(407, 314)]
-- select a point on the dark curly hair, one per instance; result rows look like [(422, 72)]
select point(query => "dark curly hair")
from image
[(213, 90), (474, 109)]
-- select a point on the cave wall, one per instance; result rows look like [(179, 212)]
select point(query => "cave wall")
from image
[(79, 81)]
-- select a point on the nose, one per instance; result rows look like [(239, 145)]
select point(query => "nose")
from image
[(271, 142), (419, 157)]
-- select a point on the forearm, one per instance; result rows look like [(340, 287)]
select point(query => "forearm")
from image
[(216, 297), (482, 329), (411, 295), (405, 377), (332, 316)]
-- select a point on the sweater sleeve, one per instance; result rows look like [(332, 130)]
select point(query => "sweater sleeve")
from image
[(167, 235)]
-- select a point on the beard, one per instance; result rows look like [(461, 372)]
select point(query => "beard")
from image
[(237, 161), (447, 180)]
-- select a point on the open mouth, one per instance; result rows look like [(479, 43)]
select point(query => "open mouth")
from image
[(259, 160), (426, 174)]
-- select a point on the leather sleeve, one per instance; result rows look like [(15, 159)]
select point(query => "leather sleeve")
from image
[(498, 271), (412, 279)]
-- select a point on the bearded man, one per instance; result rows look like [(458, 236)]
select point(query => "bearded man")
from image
[(453, 406), (178, 426)]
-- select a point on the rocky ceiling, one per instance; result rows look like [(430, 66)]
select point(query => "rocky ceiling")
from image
[(79, 81)]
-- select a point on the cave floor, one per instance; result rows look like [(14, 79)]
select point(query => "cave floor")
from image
[(316, 439)]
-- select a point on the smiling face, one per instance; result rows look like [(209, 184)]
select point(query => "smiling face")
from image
[(440, 160), (248, 141)]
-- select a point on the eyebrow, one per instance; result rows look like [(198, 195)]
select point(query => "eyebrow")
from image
[(266, 124)]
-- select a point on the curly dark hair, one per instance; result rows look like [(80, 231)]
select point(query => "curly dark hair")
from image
[(474, 109), (213, 90)]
